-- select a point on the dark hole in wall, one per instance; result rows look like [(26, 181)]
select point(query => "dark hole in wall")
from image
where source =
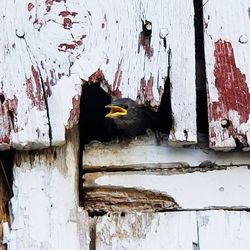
[(6, 180), (6, 169), (164, 111), (93, 124), (201, 99)]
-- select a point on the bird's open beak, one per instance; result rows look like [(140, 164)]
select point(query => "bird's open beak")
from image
[(115, 111)]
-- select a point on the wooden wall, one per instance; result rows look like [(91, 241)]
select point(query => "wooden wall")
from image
[(132, 189)]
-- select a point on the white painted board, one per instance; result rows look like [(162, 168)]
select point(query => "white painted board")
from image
[(144, 153), (39, 94), (225, 188), (157, 231), (134, 68), (204, 230), (44, 209), (224, 230), (50, 46)]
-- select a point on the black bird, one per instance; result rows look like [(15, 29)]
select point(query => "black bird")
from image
[(130, 118)]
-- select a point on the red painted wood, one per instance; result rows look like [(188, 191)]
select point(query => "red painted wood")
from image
[(233, 94)]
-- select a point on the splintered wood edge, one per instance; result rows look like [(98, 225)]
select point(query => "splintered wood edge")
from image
[(117, 199)]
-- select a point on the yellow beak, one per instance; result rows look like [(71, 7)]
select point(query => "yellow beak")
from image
[(115, 111)]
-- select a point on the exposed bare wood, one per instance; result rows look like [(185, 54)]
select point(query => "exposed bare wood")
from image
[(226, 34), (116, 199), (227, 188)]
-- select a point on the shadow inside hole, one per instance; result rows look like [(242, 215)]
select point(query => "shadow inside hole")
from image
[(93, 125), (201, 92), (2, 98)]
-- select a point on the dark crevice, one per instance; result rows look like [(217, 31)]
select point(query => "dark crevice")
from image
[(93, 124), (201, 92), (164, 111), (46, 105), (2, 98), (92, 233), (197, 245), (6, 180)]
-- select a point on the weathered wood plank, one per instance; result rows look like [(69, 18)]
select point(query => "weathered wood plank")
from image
[(35, 72), (44, 209), (136, 65), (144, 153), (224, 230), (54, 44), (205, 230), (226, 34), (169, 231), (187, 188)]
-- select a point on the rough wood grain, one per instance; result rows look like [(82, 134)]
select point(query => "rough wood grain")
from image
[(168, 231), (44, 209), (102, 199), (190, 189), (226, 34)]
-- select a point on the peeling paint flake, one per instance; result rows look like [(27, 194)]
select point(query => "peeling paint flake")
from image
[(34, 89), (30, 6), (74, 113), (146, 90)]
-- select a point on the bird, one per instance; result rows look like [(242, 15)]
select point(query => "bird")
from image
[(131, 119)]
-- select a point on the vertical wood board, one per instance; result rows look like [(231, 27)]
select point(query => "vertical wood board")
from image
[(49, 47), (135, 66), (44, 209), (227, 46), (39, 96)]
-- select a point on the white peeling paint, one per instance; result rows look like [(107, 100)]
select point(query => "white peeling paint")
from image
[(147, 152), (72, 40), (206, 230), (112, 43), (168, 231), (44, 209)]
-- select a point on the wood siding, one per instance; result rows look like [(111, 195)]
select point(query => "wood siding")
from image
[(226, 34)]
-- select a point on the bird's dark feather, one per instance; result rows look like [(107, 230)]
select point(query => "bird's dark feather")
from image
[(138, 119)]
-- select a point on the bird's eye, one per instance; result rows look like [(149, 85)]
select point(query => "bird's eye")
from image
[(125, 106)]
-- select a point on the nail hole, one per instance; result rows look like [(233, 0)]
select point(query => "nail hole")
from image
[(147, 28), (225, 123)]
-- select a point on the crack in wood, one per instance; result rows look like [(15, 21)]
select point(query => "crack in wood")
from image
[(46, 105)]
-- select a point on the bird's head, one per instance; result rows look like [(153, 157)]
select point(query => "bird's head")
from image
[(120, 107)]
